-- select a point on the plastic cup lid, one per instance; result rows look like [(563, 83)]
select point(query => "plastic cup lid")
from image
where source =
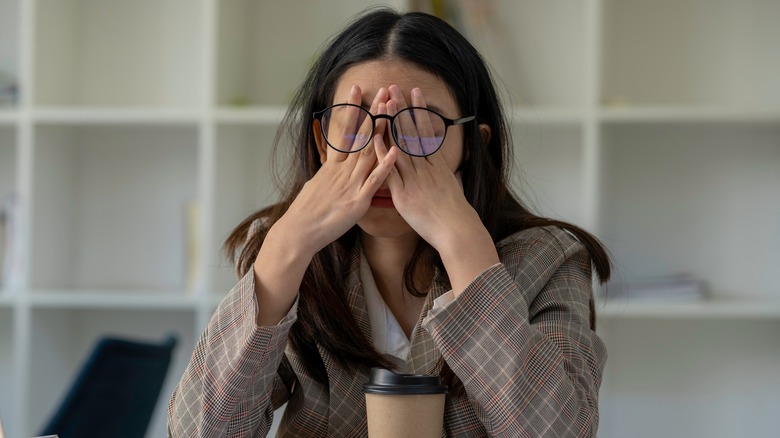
[(386, 382)]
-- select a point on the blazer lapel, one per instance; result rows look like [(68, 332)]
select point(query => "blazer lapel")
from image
[(424, 356), (347, 415), (356, 300)]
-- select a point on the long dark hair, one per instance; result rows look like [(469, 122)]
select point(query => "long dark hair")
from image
[(324, 317)]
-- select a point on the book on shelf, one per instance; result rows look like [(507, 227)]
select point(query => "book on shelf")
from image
[(192, 244)]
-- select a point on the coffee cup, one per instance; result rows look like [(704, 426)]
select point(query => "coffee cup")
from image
[(404, 405)]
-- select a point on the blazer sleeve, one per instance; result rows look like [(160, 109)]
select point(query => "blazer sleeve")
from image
[(237, 375), (519, 338)]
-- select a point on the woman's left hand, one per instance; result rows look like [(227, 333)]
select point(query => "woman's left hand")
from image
[(428, 194)]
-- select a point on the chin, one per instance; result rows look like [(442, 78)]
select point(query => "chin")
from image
[(384, 223)]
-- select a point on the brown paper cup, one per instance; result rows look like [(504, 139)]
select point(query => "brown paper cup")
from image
[(404, 405)]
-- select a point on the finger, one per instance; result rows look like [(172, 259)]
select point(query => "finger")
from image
[(404, 162), (372, 127), (437, 159), (424, 124), (342, 126), (367, 128), (405, 134), (409, 143), (365, 160), (381, 128), (431, 130), (394, 181), (381, 124), (380, 173), (380, 147)]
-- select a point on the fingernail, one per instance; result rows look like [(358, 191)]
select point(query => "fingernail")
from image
[(353, 90), (416, 92)]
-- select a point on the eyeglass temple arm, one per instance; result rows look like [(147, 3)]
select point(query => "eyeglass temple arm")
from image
[(463, 120)]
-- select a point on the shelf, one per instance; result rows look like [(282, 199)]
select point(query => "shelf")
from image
[(545, 115), (273, 114), (245, 73), (7, 298), (8, 116), (690, 377), (677, 115), (243, 185), (678, 199), (130, 54), (655, 125), (158, 300), (116, 116), (698, 52), (526, 44), (261, 115), (110, 206), (549, 177), (715, 308)]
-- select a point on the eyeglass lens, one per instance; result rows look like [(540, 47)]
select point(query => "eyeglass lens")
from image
[(346, 127), (417, 131)]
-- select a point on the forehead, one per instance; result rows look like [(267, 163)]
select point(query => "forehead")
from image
[(372, 75)]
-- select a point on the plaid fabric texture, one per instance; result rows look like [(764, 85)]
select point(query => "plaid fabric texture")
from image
[(518, 338)]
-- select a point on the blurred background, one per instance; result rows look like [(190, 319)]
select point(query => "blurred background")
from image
[(134, 135)]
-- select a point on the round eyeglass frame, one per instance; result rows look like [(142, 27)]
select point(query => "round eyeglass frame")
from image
[(318, 115)]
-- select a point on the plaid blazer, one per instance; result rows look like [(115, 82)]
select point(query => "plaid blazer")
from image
[(518, 338)]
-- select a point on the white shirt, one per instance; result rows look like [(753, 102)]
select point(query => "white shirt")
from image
[(388, 336)]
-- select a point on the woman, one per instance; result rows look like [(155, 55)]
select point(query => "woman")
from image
[(398, 244)]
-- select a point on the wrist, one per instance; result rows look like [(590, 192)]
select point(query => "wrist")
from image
[(282, 253), (278, 270), (467, 256), (290, 240)]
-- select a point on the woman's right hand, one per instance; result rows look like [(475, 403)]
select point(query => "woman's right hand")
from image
[(340, 192), (327, 206)]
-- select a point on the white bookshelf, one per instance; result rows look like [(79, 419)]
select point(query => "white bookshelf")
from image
[(654, 124)]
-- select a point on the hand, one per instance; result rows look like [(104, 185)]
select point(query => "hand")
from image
[(428, 194), (327, 206), (340, 193)]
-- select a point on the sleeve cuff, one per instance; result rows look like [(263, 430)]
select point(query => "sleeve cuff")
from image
[(257, 338), (448, 297), (486, 297), (444, 300)]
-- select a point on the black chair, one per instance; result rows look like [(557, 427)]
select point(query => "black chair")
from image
[(116, 391)]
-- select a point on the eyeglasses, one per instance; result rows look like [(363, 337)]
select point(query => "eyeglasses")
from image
[(417, 131)]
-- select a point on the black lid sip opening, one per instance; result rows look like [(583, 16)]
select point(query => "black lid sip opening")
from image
[(386, 382)]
